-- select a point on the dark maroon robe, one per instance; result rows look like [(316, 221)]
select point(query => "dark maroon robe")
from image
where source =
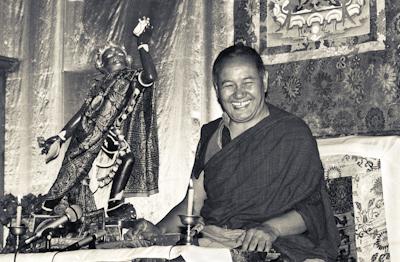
[(270, 169)]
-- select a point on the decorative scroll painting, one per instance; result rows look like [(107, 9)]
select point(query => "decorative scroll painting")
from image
[(345, 78), (308, 29)]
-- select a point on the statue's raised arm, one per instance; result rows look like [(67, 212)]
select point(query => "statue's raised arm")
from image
[(143, 32)]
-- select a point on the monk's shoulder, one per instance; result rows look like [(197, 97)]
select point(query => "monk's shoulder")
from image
[(289, 123), (210, 127)]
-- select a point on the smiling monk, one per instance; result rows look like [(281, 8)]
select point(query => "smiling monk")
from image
[(258, 177)]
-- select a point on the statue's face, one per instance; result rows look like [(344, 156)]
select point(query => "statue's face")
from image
[(114, 59)]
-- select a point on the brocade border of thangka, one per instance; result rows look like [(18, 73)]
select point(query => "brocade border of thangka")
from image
[(259, 19)]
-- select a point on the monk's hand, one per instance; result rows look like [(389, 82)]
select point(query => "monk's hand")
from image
[(196, 229), (259, 238)]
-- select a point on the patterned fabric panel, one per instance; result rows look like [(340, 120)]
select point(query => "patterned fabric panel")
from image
[(340, 193), (355, 186), (354, 93)]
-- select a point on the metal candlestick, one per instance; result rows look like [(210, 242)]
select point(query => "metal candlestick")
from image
[(189, 222), (17, 231)]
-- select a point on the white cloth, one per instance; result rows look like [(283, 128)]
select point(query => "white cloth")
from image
[(201, 254), (214, 236), (387, 149), (189, 253)]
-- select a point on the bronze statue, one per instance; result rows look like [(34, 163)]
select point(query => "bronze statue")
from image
[(102, 131)]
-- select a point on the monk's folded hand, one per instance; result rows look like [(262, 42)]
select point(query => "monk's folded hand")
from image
[(259, 238), (196, 229)]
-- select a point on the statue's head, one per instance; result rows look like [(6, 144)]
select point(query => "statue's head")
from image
[(112, 58)]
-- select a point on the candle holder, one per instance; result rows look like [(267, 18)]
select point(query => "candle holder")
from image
[(189, 221), (17, 231)]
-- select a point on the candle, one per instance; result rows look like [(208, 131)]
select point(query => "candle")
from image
[(190, 198), (19, 212)]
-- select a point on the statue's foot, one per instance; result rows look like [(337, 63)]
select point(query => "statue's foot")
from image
[(118, 209), (46, 207)]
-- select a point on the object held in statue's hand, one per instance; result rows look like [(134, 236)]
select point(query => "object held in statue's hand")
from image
[(143, 31), (143, 24)]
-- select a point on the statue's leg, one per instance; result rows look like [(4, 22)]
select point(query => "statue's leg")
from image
[(116, 205)]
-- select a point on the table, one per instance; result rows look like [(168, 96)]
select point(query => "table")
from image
[(188, 253)]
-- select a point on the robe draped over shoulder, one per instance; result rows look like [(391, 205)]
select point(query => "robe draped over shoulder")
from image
[(268, 170)]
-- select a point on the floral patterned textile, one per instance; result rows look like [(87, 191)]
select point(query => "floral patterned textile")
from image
[(355, 186), (340, 192), (356, 93)]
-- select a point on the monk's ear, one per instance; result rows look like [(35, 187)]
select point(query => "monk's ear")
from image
[(217, 94), (265, 81), (216, 89)]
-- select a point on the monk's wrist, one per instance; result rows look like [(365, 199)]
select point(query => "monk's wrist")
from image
[(271, 229)]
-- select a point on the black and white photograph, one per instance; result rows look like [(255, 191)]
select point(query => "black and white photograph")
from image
[(200, 130)]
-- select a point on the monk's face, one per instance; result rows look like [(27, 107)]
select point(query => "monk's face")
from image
[(241, 91)]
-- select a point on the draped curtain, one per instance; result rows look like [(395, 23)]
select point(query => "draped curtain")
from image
[(55, 42), (30, 33)]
